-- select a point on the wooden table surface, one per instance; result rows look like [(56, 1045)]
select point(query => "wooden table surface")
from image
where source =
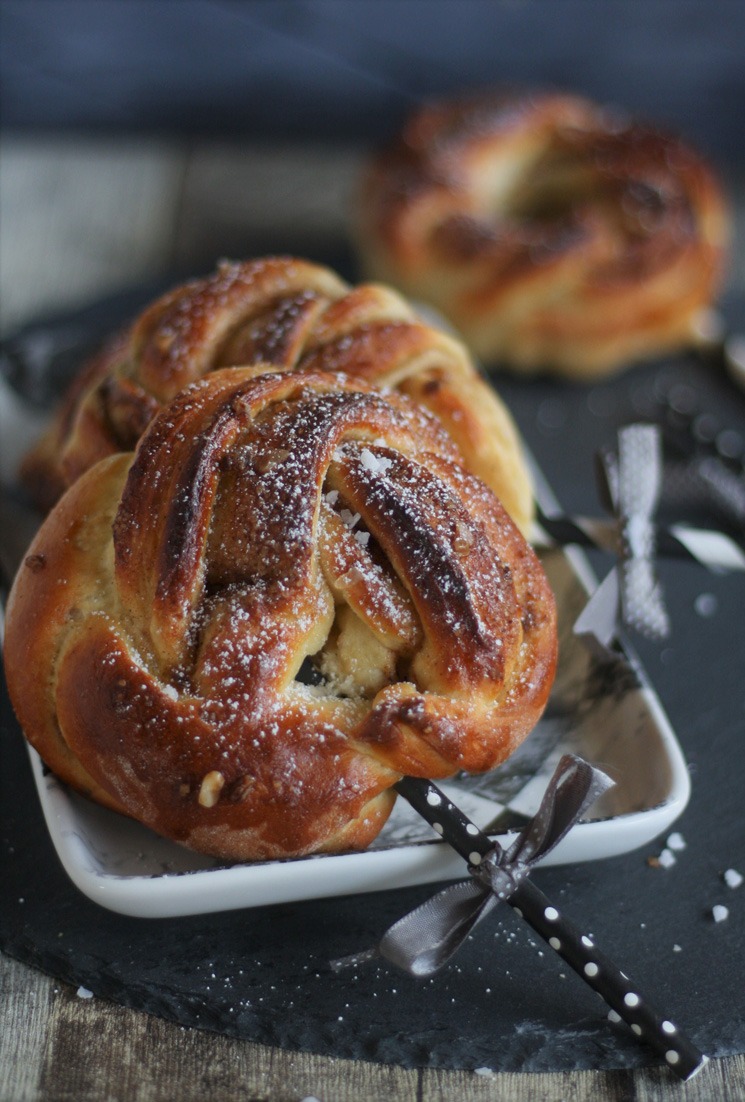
[(80, 218)]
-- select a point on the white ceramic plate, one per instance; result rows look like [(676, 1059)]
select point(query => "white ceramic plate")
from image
[(610, 717)]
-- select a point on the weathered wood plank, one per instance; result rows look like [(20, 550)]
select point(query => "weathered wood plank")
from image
[(570, 1086), (26, 998), (80, 219), (58, 1047), (243, 201), (90, 1050), (723, 1080)]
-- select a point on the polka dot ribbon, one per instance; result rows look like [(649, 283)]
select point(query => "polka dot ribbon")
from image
[(424, 940)]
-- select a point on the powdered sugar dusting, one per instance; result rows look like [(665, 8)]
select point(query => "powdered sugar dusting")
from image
[(307, 529)]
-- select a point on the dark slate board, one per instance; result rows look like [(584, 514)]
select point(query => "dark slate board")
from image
[(505, 1002)]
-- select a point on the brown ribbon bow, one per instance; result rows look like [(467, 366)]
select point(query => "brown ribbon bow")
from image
[(424, 940)]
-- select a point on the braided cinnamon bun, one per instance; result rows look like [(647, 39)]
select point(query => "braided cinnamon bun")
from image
[(553, 234), (160, 628), (295, 315)]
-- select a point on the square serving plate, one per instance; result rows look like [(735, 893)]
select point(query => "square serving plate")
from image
[(606, 714)]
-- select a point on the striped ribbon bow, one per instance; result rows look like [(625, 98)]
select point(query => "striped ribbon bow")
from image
[(630, 485)]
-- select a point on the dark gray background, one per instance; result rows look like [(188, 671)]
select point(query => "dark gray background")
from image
[(345, 70)]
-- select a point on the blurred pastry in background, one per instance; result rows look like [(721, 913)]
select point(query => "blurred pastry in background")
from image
[(556, 235)]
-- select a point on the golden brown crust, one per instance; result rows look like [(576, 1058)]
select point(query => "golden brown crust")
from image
[(157, 628), (552, 233), (295, 315)]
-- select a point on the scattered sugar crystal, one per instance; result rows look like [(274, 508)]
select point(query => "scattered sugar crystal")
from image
[(84, 993), (706, 604), (170, 692), (667, 859), (377, 464), (676, 841), (332, 497), (733, 878), (349, 518), (720, 913), (677, 948), (362, 538), (488, 1073)]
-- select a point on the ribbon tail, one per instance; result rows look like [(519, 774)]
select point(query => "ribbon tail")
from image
[(642, 605), (597, 624), (573, 789), (639, 484), (425, 939), (630, 484)]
